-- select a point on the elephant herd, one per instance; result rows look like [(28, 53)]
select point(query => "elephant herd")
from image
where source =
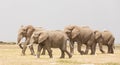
[(47, 39)]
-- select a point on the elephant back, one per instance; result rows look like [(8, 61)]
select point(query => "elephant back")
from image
[(56, 38), (107, 35), (86, 33), (39, 29)]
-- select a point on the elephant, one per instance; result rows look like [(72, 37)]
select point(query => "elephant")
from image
[(73, 42), (105, 38), (81, 35), (26, 32), (50, 39)]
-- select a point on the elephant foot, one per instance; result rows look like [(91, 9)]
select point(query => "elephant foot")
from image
[(51, 57), (62, 57), (70, 56), (33, 54), (92, 54), (85, 53), (82, 52), (103, 52), (22, 54), (110, 53), (43, 54)]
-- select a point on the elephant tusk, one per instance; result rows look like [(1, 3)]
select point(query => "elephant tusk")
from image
[(18, 43), (29, 45), (71, 44)]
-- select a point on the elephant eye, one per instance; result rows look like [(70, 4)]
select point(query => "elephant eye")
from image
[(39, 34), (24, 30), (67, 32)]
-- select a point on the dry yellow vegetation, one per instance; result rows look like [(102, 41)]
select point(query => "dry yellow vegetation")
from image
[(10, 55)]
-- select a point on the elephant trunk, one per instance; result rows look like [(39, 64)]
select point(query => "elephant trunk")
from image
[(18, 41), (20, 46), (31, 42), (71, 43)]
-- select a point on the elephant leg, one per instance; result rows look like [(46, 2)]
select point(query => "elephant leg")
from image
[(24, 49), (39, 50), (43, 52), (32, 50), (49, 52), (93, 49), (87, 49), (64, 49), (111, 50), (111, 44), (101, 48), (62, 54), (69, 54), (25, 46), (108, 48), (79, 48), (72, 48)]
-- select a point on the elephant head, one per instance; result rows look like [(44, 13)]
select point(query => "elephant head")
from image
[(71, 31), (98, 35), (24, 31), (68, 30), (38, 37)]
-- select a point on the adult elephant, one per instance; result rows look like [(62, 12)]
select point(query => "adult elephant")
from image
[(105, 38), (26, 32), (50, 39), (73, 41), (81, 35)]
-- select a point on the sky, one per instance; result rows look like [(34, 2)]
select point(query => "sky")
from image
[(56, 14)]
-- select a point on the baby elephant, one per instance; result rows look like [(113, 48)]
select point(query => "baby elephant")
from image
[(50, 39)]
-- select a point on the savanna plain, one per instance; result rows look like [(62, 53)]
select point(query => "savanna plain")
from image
[(10, 54)]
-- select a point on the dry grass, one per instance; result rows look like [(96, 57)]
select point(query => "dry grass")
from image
[(10, 55)]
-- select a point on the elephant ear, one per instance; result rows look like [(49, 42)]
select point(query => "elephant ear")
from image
[(42, 36), (30, 29), (75, 33), (69, 28), (97, 34)]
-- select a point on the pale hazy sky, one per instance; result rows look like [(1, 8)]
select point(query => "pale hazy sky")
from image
[(55, 14)]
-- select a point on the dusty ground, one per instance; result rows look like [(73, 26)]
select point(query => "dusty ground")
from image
[(11, 55)]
